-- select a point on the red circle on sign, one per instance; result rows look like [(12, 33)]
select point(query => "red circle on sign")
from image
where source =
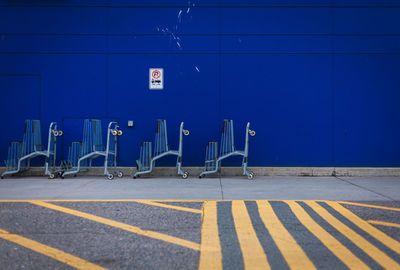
[(156, 74)]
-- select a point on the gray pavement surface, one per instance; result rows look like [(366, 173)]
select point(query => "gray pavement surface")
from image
[(227, 188), (114, 247)]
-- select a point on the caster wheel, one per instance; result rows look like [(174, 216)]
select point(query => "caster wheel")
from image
[(2, 177), (185, 175), (120, 132), (75, 175), (120, 175), (250, 176), (110, 177), (200, 176), (134, 177), (52, 176)]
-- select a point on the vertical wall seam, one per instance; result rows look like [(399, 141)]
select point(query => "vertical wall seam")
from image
[(106, 57), (333, 82), (219, 61)]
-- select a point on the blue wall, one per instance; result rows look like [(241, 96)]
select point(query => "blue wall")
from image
[(318, 80)]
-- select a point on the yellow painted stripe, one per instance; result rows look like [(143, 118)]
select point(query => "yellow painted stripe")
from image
[(100, 200), (117, 200), (374, 232), (375, 253), (383, 223), (154, 200), (340, 251), (53, 253), (122, 226), (253, 253), (290, 249), (175, 207), (370, 206), (210, 249)]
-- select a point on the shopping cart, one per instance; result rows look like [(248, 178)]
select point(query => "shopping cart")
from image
[(81, 154), (20, 153), (146, 161), (227, 149)]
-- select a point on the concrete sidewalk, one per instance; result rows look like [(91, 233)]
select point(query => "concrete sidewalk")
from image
[(226, 188)]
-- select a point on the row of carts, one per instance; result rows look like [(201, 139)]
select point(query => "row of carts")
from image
[(82, 153)]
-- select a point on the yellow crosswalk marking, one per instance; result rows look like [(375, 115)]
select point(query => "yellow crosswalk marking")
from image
[(53, 253), (370, 206), (291, 251), (122, 226), (175, 207), (377, 234), (210, 249), (340, 251), (384, 223), (375, 253), (253, 253)]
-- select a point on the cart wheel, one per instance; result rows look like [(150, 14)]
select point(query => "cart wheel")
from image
[(74, 175), (2, 177), (120, 132), (52, 176), (185, 175), (250, 176), (134, 177), (200, 176), (110, 176), (186, 132), (60, 133), (120, 175)]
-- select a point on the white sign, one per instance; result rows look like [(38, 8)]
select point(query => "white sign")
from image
[(156, 78)]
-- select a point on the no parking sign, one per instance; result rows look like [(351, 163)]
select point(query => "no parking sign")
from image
[(156, 78)]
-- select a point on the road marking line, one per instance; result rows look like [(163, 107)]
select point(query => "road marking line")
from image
[(384, 223), (210, 249), (374, 232), (290, 249), (369, 205), (122, 226), (339, 250), (254, 256), (117, 200), (375, 253), (175, 207), (51, 252)]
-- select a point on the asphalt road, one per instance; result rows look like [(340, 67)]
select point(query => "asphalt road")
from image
[(250, 234)]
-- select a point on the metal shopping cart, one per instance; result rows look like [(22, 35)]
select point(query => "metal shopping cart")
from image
[(227, 149), (146, 161), (81, 154), (20, 153)]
